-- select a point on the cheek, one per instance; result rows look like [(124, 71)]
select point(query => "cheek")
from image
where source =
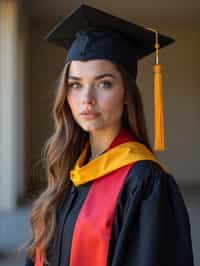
[(113, 101), (73, 102)]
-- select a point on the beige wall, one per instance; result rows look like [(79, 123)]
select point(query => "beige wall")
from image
[(181, 63)]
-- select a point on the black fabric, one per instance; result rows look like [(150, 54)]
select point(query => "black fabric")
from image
[(151, 225), (29, 262), (90, 45)]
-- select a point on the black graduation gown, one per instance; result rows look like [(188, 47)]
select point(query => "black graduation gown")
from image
[(151, 225)]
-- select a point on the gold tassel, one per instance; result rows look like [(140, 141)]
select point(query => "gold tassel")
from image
[(159, 141)]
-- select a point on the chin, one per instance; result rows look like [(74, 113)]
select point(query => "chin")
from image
[(90, 128)]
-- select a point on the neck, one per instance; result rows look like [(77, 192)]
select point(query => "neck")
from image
[(101, 139)]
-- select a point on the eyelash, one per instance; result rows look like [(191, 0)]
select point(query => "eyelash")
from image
[(71, 84), (107, 82)]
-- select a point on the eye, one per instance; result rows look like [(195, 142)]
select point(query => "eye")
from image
[(74, 85), (105, 84)]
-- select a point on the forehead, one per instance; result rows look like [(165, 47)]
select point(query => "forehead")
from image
[(92, 68)]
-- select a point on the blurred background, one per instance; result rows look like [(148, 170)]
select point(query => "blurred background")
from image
[(29, 71)]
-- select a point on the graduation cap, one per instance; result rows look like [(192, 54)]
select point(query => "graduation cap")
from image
[(89, 33)]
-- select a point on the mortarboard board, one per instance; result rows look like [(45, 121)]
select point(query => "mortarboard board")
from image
[(89, 33)]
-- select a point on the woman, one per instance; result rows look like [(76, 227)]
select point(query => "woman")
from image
[(109, 201)]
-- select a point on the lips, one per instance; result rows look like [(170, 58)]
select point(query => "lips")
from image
[(89, 114)]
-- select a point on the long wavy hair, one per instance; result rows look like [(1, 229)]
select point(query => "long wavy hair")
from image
[(61, 151)]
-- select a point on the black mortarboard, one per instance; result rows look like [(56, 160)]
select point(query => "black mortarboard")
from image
[(89, 33)]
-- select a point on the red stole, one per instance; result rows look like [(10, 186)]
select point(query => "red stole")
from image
[(92, 232)]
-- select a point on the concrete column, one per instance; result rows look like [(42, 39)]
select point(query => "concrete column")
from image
[(11, 107)]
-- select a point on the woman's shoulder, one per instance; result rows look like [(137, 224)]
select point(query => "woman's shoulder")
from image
[(148, 181), (146, 173)]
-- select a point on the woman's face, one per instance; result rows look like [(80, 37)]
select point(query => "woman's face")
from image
[(95, 94)]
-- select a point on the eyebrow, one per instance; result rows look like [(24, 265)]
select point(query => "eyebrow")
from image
[(97, 77)]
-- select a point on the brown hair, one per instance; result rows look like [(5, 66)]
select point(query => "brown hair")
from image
[(62, 150)]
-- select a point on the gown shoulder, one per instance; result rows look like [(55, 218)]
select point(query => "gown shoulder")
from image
[(154, 222)]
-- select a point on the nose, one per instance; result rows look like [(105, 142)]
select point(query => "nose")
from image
[(89, 101), (88, 97)]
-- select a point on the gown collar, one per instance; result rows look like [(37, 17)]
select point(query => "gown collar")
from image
[(123, 150)]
